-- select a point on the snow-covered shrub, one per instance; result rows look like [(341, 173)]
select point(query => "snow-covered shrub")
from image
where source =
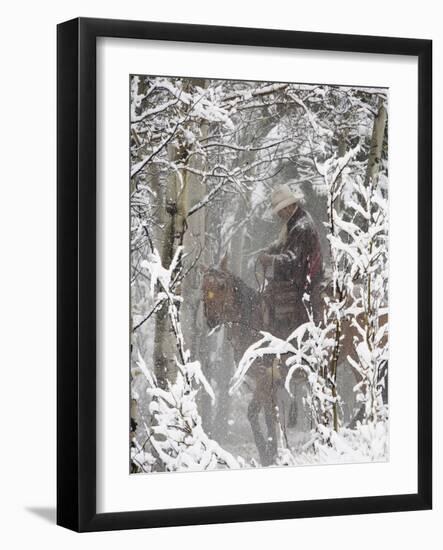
[(205, 157), (364, 240), (358, 240), (356, 307), (308, 350), (366, 442), (175, 439)]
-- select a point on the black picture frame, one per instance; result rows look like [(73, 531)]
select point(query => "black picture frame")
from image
[(76, 279)]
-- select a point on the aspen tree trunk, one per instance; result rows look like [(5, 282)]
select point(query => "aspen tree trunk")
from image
[(143, 336), (194, 326), (378, 132), (173, 231), (180, 190), (373, 168), (372, 171)]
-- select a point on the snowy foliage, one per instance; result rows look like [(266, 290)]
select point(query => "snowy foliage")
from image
[(365, 443), (205, 157), (368, 250), (359, 297), (176, 440), (307, 351)]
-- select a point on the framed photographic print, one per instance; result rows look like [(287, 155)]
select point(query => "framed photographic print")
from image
[(244, 274)]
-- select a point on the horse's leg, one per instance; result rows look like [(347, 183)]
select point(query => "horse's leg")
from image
[(293, 405), (254, 409), (272, 411), (293, 413), (272, 419)]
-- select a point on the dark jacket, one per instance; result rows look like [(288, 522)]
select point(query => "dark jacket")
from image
[(297, 260), (296, 269)]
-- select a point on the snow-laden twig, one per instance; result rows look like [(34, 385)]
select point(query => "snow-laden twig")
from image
[(268, 345), (307, 350), (318, 129), (363, 242), (177, 440)]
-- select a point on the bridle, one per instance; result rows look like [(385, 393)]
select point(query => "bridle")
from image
[(229, 279)]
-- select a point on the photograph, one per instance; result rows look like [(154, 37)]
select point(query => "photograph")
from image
[(259, 260), (221, 301)]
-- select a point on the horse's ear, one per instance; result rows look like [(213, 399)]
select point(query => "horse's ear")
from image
[(224, 262)]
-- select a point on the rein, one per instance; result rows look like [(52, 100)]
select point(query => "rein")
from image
[(236, 285), (261, 286)]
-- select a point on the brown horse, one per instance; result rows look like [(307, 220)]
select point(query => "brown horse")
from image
[(230, 301)]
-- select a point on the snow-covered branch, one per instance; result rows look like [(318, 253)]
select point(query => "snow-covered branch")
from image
[(176, 439)]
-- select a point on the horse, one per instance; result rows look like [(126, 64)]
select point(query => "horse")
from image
[(228, 300)]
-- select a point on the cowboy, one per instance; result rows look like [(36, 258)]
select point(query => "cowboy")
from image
[(293, 265)]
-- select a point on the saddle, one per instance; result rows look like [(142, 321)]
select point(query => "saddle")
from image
[(282, 301)]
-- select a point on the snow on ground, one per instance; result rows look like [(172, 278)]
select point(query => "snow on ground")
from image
[(365, 443)]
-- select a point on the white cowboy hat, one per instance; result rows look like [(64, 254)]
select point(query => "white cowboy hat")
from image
[(282, 196)]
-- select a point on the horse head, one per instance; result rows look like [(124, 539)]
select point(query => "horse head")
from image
[(220, 295)]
